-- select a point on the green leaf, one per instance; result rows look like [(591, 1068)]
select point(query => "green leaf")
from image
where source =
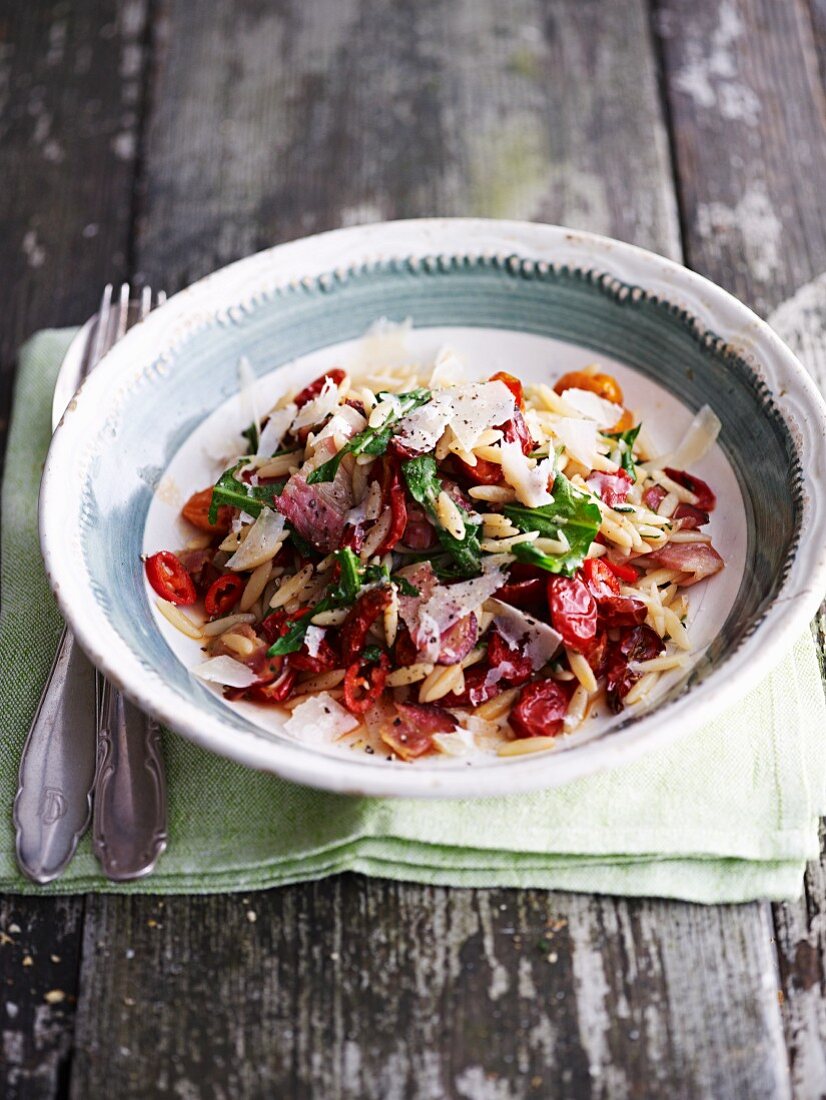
[(425, 485), (405, 587), (572, 511), (342, 593), (251, 436), (372, 653), (626, 452), (372, 441), (249, 498)]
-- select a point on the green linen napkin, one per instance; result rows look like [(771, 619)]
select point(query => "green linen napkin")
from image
[(729, 813)]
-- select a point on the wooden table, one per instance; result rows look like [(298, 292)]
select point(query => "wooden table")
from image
[(159, 139)]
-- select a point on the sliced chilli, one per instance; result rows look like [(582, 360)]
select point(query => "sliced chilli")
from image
[(364, 682), (223, 594), (169, 579)]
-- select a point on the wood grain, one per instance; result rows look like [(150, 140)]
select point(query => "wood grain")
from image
[(274, 120), (746, 96), (71, 97)]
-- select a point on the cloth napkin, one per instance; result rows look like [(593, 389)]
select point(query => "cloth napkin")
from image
[(729, 813)]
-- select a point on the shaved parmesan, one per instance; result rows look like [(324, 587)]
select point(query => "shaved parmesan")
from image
[(319, 407), (448, 369), (313, 639), (530, 482), (579, 438), (593, 407), (269, 439), (701, 436), (262, 543), (320, 720), (450, 603), (225, 670), (538, 641), (423, 428), (343, 425), (476, 407)]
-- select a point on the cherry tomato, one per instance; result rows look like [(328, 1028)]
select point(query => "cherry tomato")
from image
[(703, 492), (625, 422), (169, 579), (514, 667), (603, 385), (196, 512), (324, 660), (540, 709), (336, 375), (364, 683), (573, 611), (223, 594), (600, 578), (359, 620), (525, 593), (622, 611), (513, 384), (622, 570), (597, 653), (637, 643)]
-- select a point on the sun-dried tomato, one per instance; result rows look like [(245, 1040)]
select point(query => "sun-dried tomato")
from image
[(364, 682), (622, 611), (636, 643), (573, 611), (540, 709), (513, 384), (483, 473), (393, 497), (336, 375), (525, 586), (360, 618), (706, 499), (404, 648), (513, 666)]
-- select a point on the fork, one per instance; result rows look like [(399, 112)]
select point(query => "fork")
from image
[(87, 744)]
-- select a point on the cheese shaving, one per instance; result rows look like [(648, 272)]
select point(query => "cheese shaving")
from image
[(262, 542), (225, 670), (320, 720), (535, 639), (319, 407), (530, 482), (578, 436), (593, 407), (270, 436)]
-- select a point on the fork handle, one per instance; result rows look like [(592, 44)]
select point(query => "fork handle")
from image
[(129, 822), (57, 767)]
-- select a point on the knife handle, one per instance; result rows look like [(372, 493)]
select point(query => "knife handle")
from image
[(57, 766), (129, 822)]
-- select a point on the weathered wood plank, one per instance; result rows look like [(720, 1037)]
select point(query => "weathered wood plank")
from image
[(71, 90), (747, 101), (272, 121)]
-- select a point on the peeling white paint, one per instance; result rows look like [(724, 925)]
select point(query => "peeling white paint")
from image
[(710, 74), (754, 221)]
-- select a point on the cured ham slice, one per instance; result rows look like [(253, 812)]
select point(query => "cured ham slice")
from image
[(318, 512), (698, 559)]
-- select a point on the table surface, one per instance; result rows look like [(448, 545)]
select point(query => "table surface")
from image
[(157, 140)]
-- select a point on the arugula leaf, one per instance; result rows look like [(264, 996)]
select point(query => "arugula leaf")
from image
[(405, 587), (343, 593), (371, 653), (372, 441), (251, 436), (425, 485), (629, 438), (250, 498), (572, 511)]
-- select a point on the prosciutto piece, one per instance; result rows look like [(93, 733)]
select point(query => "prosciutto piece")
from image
[(318, 512), (698, 559)]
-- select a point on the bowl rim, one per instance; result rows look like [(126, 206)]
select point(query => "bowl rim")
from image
[(355, 248)]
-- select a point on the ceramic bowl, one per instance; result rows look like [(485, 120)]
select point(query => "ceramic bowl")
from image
[(532, 299)]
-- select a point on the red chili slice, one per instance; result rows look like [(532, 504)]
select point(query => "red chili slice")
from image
[(600, 578), (703, 492), (223, 595), (540, 709), (573, 611), (169, 579), (513, 384), (336, 375), (622, 570), (364, 683)]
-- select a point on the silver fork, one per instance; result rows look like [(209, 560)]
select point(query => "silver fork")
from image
[(86, 737)]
